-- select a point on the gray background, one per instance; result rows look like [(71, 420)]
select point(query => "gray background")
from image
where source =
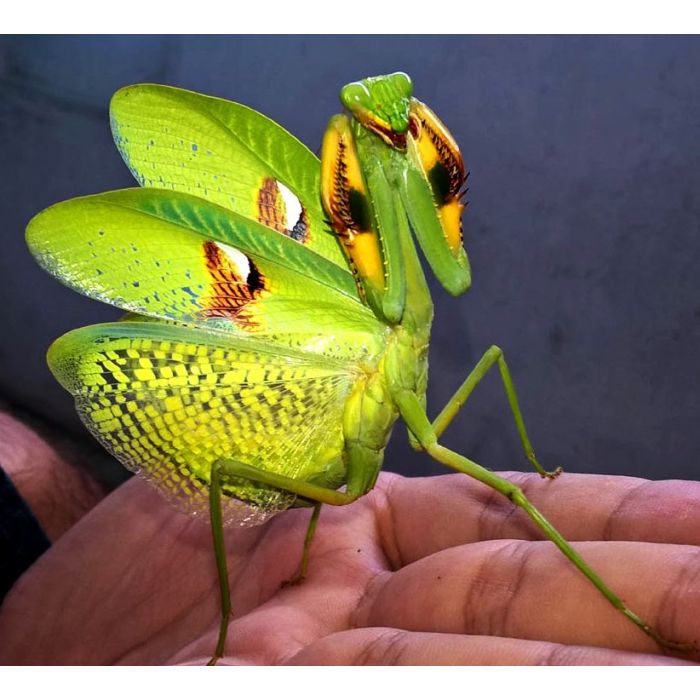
[(583, 228)]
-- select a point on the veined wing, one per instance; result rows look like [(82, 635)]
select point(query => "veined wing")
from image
[(226, 153), (169, 401), (177, 257)]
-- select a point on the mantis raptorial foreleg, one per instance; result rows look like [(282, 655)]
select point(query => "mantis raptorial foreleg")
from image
[(418, 423), (494, 355)]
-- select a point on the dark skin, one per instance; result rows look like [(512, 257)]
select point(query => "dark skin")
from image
[(436, 570)]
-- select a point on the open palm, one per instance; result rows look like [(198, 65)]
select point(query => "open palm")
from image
[(435, 570)]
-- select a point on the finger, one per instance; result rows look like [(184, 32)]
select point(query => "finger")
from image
[(395, 647), (426, 515), (137, 580), (58, 492), (528, 590), (130, 582), (270, 635)]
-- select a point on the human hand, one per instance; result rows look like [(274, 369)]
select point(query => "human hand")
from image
[(436, 570)]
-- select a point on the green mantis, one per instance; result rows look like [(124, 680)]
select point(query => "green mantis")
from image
[(278, 317)]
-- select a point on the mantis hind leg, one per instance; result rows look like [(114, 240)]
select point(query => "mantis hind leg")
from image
[(217, 530), (233, 468), (494, 355), (418, 423)]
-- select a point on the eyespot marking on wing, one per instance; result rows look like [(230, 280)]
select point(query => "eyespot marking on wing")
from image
[(280, 209), (235, 282)]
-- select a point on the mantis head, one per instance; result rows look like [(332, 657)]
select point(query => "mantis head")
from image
[(382, 105), (372, 193)]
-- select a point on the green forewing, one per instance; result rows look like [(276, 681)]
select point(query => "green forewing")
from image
[(225, 153), (170, 400), (177, 257)]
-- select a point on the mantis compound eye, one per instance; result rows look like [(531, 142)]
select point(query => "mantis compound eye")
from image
[(402, 83), (355, 97)]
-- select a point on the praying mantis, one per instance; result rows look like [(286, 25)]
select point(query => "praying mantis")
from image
[(277, 313)]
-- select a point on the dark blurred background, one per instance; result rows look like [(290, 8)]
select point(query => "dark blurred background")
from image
[(583, 228)]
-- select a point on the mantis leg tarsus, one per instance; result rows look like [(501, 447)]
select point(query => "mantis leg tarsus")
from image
[(308, 539), (418, 423), (494, 355), (551, 474)]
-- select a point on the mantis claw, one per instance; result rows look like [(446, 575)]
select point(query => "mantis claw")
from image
[(298, 578)]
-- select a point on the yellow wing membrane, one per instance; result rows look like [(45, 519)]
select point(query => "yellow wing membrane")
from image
[(168, 401)]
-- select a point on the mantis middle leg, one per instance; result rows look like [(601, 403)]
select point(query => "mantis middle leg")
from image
[(418, 423), (494, 355), (308, 539)]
